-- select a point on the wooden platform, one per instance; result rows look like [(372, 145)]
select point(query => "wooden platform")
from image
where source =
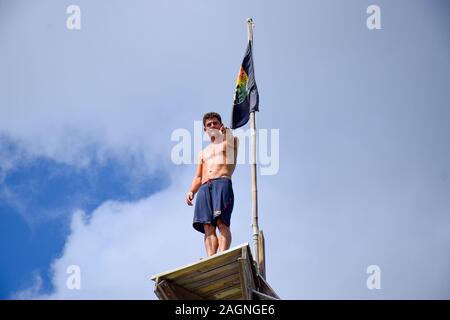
[(230, 275)]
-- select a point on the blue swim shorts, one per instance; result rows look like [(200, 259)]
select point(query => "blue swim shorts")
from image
[(215, 199)]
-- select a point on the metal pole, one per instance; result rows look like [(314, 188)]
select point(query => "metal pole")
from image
[(255, 226)]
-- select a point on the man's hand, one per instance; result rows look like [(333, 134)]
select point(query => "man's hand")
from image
[(223, 129), (189, 198)]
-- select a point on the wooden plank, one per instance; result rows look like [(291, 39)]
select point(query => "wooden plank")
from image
[(245, 283), (157, 290), (214, 281), (191, 281), (221, 295), (231, 280), (184, 294), (251, 263), (266, 288), (203, 265), (172, 291), (250, 277), (261, 296), (253, 270), (245, 272), (225, 292), (165, 291), (233, 296), (244, 253), (249, 270), (160, 293), (242, 282)]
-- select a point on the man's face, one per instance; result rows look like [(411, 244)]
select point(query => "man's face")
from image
[(212, 123), (212, 126)]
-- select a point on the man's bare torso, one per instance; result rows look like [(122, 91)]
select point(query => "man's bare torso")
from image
[(219, 159)]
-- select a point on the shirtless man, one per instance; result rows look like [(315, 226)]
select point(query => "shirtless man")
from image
[(212, 184)]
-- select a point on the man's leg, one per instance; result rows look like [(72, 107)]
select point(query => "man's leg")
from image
[(210, 239), (224, 237)]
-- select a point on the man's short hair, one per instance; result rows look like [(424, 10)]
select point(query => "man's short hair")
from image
[(210, 115)]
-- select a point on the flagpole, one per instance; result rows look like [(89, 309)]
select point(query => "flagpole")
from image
[(255, 226)]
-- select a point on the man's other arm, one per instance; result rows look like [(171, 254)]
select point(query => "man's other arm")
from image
[(196, 182)]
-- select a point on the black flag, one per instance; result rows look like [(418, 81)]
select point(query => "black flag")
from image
[(246, 97)]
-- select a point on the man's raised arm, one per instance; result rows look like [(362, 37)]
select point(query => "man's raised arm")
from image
[(232, 145)]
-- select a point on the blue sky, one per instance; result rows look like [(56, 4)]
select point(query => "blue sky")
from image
[(86, 118)]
